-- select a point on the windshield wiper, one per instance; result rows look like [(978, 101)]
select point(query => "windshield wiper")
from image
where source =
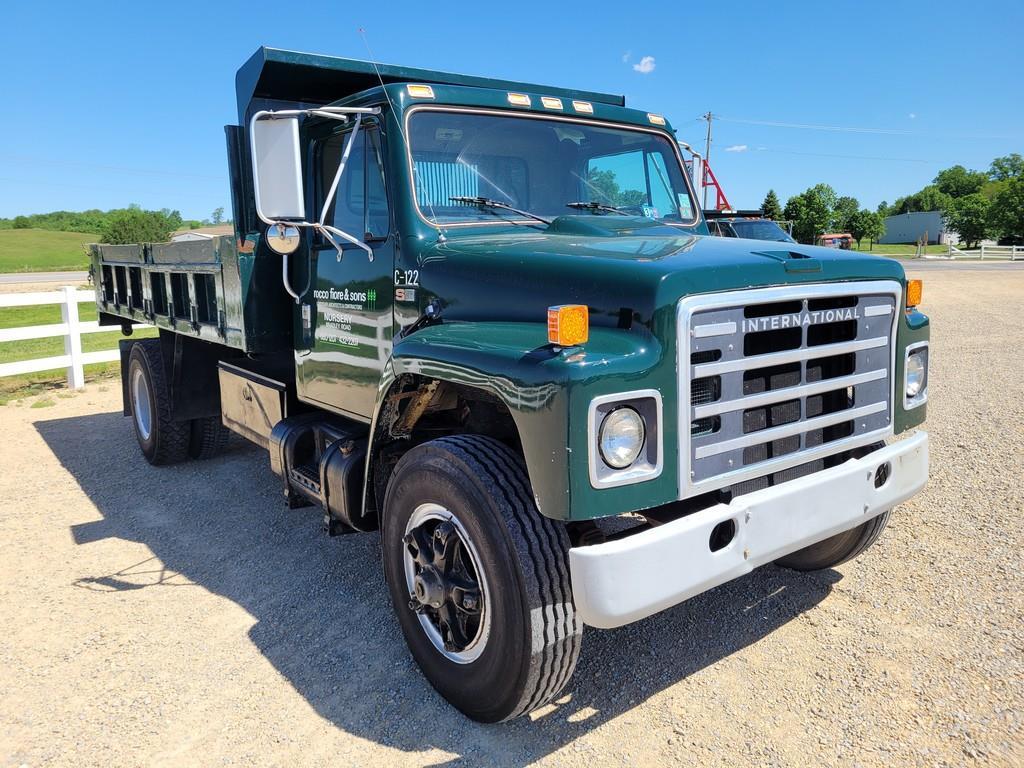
[(595, 206), (486, 202)]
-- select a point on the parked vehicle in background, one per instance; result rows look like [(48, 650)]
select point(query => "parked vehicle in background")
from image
[(751, 225), (843, 240), (484, 318)]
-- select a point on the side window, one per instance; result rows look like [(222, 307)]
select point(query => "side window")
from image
[(378, 222), (661, 187), (360, 206)]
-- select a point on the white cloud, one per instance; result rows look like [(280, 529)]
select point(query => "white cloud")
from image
[(912, 115), (627, 56), (737, 148), (645, 66)]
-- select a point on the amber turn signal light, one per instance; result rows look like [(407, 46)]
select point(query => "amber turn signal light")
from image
[(915, 289), (568, 325)]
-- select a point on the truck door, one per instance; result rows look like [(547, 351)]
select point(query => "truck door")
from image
[(340, 358)]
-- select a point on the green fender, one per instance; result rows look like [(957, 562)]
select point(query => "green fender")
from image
[(546, 390)]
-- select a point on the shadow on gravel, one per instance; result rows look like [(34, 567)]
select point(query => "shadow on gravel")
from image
[(323, 616)]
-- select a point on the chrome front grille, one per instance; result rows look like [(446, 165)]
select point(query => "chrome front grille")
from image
[(780, 379)]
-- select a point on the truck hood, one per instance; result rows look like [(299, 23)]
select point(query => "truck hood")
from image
[(625, 269)]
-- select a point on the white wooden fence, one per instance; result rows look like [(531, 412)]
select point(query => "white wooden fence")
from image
[(70, 327), (1011, 252)]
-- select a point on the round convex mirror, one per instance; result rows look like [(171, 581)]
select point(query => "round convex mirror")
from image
[(283, 239)]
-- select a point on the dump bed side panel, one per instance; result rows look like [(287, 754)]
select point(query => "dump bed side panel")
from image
[(206, 289)]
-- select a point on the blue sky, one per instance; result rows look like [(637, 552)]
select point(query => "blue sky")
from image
[(110, 104)]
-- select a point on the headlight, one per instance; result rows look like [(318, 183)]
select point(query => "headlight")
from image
[(621, 437), (916, 373)]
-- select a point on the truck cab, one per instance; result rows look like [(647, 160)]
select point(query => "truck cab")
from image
[(486, 318)]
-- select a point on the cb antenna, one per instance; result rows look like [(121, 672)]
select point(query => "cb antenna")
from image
[(373, 60)]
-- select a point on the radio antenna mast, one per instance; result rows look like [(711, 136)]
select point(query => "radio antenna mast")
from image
[(373, 60)]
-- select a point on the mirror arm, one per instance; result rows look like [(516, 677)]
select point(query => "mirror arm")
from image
[(288, 283), (341, 168)]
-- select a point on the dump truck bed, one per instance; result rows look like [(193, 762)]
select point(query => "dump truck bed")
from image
[(205, 289)]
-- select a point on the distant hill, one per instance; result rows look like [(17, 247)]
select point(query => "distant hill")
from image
[(36, 250)]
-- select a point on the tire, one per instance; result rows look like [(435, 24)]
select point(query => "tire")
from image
[(526, 636), (208, 437), (837, 549), (162, 440)]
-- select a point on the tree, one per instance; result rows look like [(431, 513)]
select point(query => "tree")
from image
[(1006, 212), (811, 212), (845, 209), (875, 228), (134, 225), (218, 215), (604, 183), (960, 182), (22, 222), (771, 207), (883, 208), (931, 198), (173, 217), (1007, 167), (969, 216), (865, 223)]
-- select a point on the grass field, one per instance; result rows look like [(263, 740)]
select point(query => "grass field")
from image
[(37, 250), (898, 250), (15, 387)]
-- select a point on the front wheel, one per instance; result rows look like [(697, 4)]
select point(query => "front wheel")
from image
[(478, 578), (837, 549)]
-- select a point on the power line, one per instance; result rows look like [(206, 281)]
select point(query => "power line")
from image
[(848, 157), (35, 182), (860, 129), (24, 159)]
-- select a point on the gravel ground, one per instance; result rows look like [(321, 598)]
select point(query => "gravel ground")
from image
[(183, 616)]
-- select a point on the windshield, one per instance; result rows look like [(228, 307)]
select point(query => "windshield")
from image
[(546, 167), (761, 230)]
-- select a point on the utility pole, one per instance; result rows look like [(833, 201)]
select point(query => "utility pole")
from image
[(707, 158)]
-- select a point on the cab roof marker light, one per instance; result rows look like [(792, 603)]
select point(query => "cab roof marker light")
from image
[(583, 106), (656, 119), (519, 99), (550, 102), (420, 91)]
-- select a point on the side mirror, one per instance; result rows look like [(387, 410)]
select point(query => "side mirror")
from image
[(277, 181), (277, 168)]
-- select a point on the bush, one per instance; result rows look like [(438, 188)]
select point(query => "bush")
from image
[(133, 225), (22, 222)]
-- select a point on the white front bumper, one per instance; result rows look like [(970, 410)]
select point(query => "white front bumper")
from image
[(627, 579)]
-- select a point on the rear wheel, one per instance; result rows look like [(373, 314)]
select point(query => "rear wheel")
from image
[(161, 439), (208, 437), (478, 578), (837, 549)]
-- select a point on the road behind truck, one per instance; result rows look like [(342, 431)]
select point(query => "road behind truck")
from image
[(181, 616)]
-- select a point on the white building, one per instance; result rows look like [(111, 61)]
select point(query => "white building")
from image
[(202, 233), (912, 227)]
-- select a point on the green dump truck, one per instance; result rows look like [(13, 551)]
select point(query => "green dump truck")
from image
[(485, 318)]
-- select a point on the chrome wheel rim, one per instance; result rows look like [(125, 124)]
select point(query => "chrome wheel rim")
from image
[(447, 587), (141, 404)]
